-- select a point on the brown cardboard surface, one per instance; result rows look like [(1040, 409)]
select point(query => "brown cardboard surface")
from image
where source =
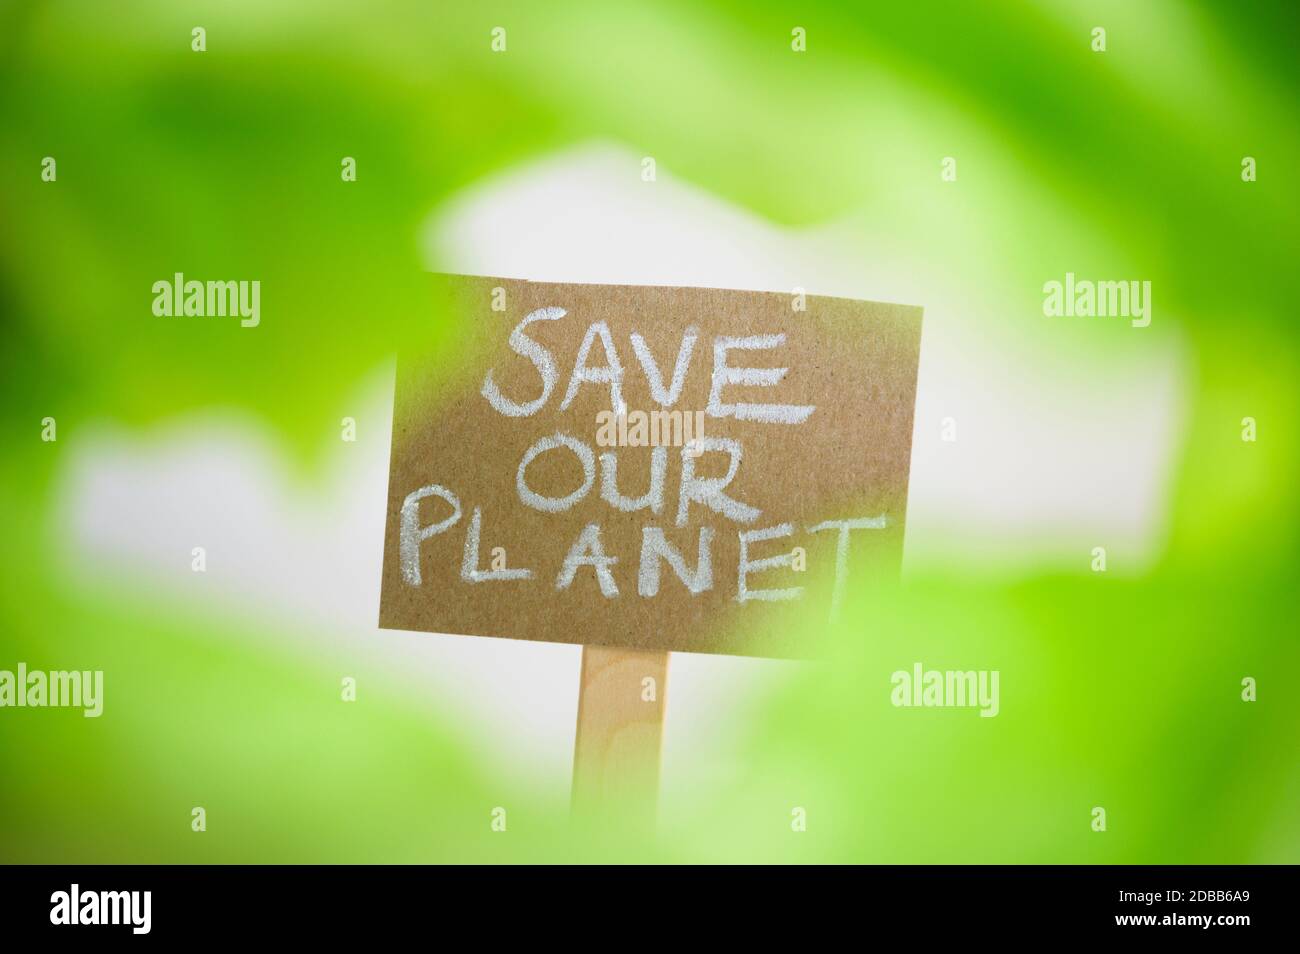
[(853, 362)]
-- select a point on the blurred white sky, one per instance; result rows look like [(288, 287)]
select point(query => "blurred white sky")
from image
[(1047, 464)]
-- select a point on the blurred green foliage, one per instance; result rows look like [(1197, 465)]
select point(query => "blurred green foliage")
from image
[(227, 163)]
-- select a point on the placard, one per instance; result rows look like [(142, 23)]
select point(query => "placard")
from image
[(654, 468)]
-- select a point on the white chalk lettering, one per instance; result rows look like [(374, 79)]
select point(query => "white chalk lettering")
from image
[(666, 397), (655, 546), (525, 346), (587, 550), (469, 571), (753, 377), (412, 534), (653, 498), (842, 551), (586, 456), (743, 593), (611, 374), (708, 490)]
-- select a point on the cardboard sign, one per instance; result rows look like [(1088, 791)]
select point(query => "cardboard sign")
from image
[(654, 468)]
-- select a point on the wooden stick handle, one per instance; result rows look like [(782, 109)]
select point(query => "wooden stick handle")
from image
[(621, 697)]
